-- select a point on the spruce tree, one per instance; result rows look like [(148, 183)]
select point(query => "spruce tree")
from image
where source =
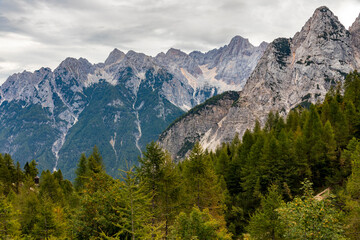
[(82, 173), (265, 222)]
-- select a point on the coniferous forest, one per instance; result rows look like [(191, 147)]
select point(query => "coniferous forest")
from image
[(296, 177)]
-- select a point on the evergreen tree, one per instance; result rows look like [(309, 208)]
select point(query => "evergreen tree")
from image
[(95, 161), (201, 186), (30, 169), (151, 173), (50, 188), (352, 89), (135, 210), (169, 193), (82, 173), (9, 225), (352, 199), (198, 225), (265, 222), (313, 130)]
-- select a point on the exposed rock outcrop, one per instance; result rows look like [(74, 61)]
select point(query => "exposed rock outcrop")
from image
[(291, 72)]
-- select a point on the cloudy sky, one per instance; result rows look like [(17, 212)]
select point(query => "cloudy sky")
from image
[(36, 33)]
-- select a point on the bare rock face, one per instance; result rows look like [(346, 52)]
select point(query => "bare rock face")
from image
[(198, 76), (355, 36), (291, 72), (180, 136), (119, 105)]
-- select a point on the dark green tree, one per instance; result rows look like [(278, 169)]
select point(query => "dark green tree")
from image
[(82, 173), (265, 222)]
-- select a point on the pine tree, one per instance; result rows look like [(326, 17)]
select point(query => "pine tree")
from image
[(82, 173), (169, 193), (313, 131), (135, 212), (30, 169), (95, 161), (9, 225), (151, 173), (201, 185), (265, 222), (198, 225), (50, 188), (352, 89), (353, 193)]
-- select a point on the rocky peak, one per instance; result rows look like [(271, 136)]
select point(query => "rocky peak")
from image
[(292, 71), (321, 27), (238, 44), (175, 53), (175, 58), (263, 45), (75, 68), (356, 25), (355, 33), (138, 61), (115, 56)]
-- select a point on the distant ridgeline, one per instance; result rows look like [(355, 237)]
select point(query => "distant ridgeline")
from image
[(119, 105), (262, 186)]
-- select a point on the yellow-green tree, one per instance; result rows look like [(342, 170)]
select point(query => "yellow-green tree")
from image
[(307, 218), (199, 225)]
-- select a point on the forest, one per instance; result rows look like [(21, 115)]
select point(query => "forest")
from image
[(295, 178)]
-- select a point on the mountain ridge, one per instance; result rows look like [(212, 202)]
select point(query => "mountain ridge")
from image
[(136, 95), (291, 71)]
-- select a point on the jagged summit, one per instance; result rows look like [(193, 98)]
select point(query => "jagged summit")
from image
[(115, 56), (77, 68), (321, 27), (239, 43), (263, 45), (355, 25), (355, 33), (119, 105), (175, 52), (291, 72)]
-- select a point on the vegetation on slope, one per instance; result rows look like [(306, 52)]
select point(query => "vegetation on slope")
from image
[(260, 187)]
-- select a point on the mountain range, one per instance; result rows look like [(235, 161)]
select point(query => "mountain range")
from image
[(119, 105), (292, 72)]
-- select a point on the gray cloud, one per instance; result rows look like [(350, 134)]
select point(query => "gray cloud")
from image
[(35, 33)]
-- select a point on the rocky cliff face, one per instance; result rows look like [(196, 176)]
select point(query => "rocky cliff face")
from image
[(204, 75), (291, 72), (119, 105)]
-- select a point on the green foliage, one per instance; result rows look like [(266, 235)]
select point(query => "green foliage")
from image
[(352, 89), (200, 185), (198, 225), (9, 225), (252, 185), (30, 169), (310, 218), (82, 173), (265, 222), (282, 50), (135, 210), (161, 180), (111, 113)]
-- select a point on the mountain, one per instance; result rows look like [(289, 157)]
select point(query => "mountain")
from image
[(119, 105), (291, 72)]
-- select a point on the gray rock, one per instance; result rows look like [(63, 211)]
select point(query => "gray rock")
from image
[(290, 72)]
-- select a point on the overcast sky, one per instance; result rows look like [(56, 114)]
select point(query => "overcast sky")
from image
[(36, 33)]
